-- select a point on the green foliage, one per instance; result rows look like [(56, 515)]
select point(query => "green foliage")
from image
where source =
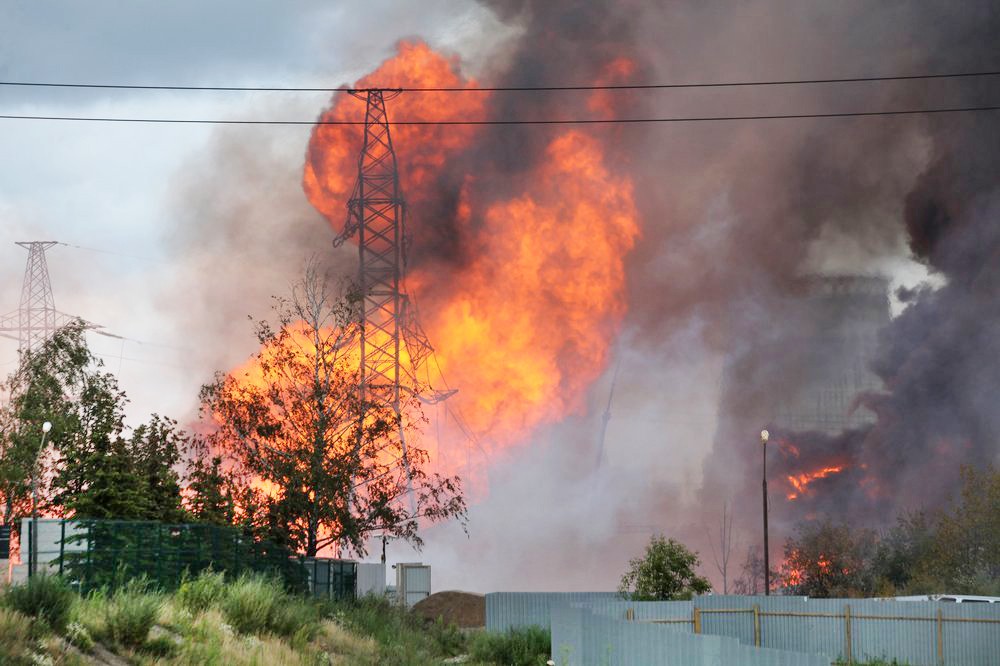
[(130, 613), (665, 572), (15, 637), (45, 598), (208, 498), (298, 426), (255, 604), (201, 593), (954, 550), (95, 471), (403, 638), (528, 646), (447, 636), (79, 636)]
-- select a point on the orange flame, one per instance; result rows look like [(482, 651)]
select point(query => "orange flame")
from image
[(800, 482), (522, 324)]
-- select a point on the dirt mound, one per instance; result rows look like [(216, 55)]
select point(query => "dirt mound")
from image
[(465, 609)]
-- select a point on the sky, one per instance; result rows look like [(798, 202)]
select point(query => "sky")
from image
[(112, 189)]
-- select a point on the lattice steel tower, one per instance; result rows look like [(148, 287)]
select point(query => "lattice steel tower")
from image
[(376, 212), (37, 318)]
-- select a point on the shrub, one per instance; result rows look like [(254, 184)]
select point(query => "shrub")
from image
[(15, 637), (256, 604), (130, 613), (46, 598), (297, 619), (201, 593), (250, 603), (449, 638), (518, 647)]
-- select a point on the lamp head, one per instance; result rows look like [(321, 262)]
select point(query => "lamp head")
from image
[(764, 434), (46, 426)]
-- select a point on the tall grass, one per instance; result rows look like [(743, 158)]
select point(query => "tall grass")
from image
[(255, 604), (130, 613), (45, 598), (201, 593), (403, 638), (528, 646), (15, 637)]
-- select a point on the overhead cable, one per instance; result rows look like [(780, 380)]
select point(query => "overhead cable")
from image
[(542, 121), (550, 88)]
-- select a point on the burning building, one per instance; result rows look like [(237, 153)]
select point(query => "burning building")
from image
[(830, 351)]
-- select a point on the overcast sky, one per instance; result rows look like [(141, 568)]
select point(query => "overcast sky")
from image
[(108, 187)]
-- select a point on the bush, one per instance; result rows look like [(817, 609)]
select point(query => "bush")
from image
[(449, 638), (255, 605), (130, 613), (518, 647), (46, 598), (201, 593), (15, 637), (250, 603)]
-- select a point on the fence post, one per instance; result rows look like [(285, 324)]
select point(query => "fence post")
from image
[(848, 643), (62, 544), (697, 620), (629, 614), (940, 637), (756, 625)]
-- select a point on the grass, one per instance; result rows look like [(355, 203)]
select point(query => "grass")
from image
[(244, 622), (518, 647), (45, 598), (130, 614)]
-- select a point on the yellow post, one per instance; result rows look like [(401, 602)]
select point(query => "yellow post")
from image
[(756, 625), (697, 620), (940, 637), (848, 643)]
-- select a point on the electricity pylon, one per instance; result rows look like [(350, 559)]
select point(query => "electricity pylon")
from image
[(376, 212), (37, 318)]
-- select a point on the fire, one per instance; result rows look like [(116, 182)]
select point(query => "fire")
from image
[(525, 285), (800, 482)]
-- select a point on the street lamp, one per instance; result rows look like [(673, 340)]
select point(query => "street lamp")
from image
[(764, 434), (33, 548)]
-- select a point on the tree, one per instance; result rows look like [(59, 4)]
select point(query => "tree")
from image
[(902, 562), (966, 550), (751, 580), (722, 556), (93, 471), (314, 472), (209, 499), (666, 572), (827, 560)]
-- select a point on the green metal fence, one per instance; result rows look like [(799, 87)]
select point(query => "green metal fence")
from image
[(332, 579), (97, 553)]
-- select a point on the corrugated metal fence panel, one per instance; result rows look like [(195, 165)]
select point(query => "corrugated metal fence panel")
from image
[(583, 638), (800, 623), (905, 631), (675, 614), (506, 610), (878, 630), (971, 642)]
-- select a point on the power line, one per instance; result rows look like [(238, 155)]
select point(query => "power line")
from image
[(417, 89), (551, 121)]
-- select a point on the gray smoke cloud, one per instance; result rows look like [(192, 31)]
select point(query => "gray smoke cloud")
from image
[(734, 214)]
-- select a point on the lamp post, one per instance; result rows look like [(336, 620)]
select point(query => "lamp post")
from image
[(33, 546), (764, 434)]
